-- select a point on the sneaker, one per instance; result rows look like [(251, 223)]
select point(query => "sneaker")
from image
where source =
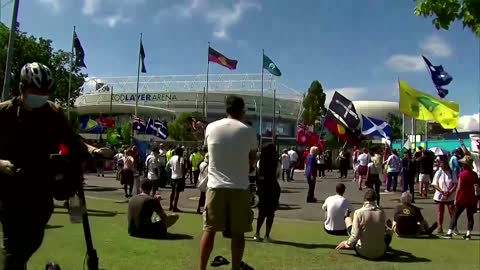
[(432, 228), (257, 238), (455, 232), (447, 236), (170, 220), (467, 237), (267, 239)]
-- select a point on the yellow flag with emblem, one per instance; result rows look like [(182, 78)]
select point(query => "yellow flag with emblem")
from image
[(422, 106)]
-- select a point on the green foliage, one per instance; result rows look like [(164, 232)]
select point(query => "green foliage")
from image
[(395, 122), (31, 49), (444, 12), (127, 133), (314, 104), (181, 128)]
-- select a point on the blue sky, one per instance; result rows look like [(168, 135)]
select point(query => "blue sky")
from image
[(359, 47)]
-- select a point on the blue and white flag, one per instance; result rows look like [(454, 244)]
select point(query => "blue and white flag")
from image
[(138, 124), (376, 127), (439, 76), (157, 128)]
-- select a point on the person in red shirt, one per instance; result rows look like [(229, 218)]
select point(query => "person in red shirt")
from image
[(305, 155), (465, 199)]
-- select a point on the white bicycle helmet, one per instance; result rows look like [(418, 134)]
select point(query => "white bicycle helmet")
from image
[(36, 75)]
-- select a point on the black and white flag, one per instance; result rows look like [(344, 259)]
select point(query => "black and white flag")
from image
[(345, 110)]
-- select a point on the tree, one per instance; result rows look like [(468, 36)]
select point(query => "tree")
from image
[(31, 49), (396, 123), (447, 11), (314, 104), (181, 128)]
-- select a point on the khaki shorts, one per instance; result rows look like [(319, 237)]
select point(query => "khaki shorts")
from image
[(424, 178), (228, 209)]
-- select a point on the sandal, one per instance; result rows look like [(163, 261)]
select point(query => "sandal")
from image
[(219, 261)]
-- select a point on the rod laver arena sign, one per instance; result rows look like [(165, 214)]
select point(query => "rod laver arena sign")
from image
[(124, 98)]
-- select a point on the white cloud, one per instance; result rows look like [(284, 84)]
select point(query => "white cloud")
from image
[(405, 63), (90, 7), (352, 93), (436, 46), (469, 123), (54, 5), (221, 16), (113, 20)]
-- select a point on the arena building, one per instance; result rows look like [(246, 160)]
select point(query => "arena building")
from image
[(164, 97)]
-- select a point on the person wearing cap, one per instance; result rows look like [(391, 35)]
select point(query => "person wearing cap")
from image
[(32, 124), (369, 235), (465, 199)]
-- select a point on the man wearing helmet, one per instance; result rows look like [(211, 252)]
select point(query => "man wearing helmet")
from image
[(33, 128)]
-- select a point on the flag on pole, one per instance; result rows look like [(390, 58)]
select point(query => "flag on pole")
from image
[(376, 127), (79, 52), (142, 57), (340, 130), (345, 110), (216, 57), (270, 66), (139, 125), (157, 128), (439, 77), (422, 106)]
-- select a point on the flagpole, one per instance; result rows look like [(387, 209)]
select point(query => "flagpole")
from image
[(403, 130), (426, 134), (274, 126), (138, 76), (206, 90), (10, 48), (70, 75), (261, 105), (111, 100)]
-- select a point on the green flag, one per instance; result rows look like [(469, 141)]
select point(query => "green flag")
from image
[(270, 66)]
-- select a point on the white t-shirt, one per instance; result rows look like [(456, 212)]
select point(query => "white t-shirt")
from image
[(363, 159), (177, 166), (337, 207), (285, 161), (229, 143), (152, 166), (293, 155), (374, 169), (445, 182)]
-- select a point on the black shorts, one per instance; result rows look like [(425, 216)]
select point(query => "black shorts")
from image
[(127, 177), (156, 230), (178, 185), (345, 232), (447, 203)]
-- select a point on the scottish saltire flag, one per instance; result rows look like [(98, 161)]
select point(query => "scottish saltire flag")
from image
[(157, 128), (376, 127), (138, 124), (439, 77)]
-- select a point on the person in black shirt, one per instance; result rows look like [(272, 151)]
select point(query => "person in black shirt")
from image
[(408, 219), (140, 211), (425, 171)]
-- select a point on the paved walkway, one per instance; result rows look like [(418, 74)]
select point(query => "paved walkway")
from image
[(292, 200)]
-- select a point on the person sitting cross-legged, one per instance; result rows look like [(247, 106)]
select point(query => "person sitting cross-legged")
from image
[(140, 211), (337, 208), (369, 235), (408, 219)]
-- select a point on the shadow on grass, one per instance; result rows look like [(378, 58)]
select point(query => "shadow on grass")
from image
[(169, 236), (393, 255), (53, 226), (100, 189), (301, 245), (92, 212), (283, 206)]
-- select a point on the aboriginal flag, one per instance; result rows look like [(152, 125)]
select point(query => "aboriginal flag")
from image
[(345, 134), (216, 57)]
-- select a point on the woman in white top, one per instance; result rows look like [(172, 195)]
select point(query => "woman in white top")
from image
[(394, 166), (178, 166), (374, 169), (202, 182), (285, 160), (445, 184)]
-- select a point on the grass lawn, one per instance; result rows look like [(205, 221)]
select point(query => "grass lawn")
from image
[(300, 246)]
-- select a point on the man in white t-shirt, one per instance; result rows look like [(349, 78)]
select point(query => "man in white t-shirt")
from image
[(153, 169), (232, 148), (285, 161), (293, 161), (338, 208)]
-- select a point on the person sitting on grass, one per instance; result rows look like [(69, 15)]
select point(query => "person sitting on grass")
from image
[(337, 209), (140, 210), (408, 219), (369, 235)]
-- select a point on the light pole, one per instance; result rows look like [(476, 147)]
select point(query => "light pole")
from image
[(11, 43)]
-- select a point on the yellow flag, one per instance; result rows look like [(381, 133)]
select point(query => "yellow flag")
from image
[(423, 106)]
